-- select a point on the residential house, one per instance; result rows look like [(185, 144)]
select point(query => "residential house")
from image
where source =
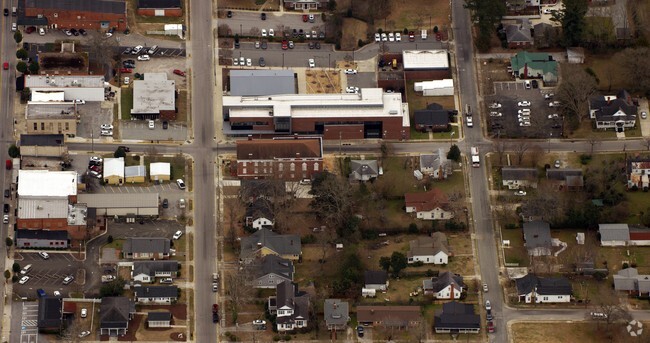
[(433, 249), (531, 288), (436, 165), (51, 117), (363, 170), (259, 214), (638, 173), (537, 237), (154, 97), (431, 205), (272, 271), (614, 235), (159, 319), (80, 14), (301, 5), (566, 179), (266, 242), (114, 315), (160, 8), (337, 314), (43, 145), (135, 174), (113, 172), (456, 318), (290, 306), (515, 178), (48, 239), (146, 248), (445, 286), (432, 119), (284, 159), (616, 112), (50, 314), (575, 55), (629, 280), (519, 35), (400, 317), (160, 171), (545, 36), (532, 65), (155, 294), (148, 271), (376, 279)]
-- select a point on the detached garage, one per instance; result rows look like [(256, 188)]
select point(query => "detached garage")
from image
[(160, 8)]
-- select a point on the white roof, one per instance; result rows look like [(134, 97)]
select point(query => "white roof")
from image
[(114, 167), (133, 171), (41, 96), (435, 84), (370, 102), (425, 59), (154, 94), (41, 81), (41, 207), (45, 183), (160, 168)]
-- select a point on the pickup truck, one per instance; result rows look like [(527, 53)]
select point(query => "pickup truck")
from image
[(107, 278)]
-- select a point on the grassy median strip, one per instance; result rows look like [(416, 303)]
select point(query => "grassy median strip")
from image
[(126, 101)]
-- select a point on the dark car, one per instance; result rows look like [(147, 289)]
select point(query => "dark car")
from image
[(311, 45), (215, 317), (165, 125), (127, 31), (111, 30), (263, 16), (74, 32), (535, 84), (301, 32), (7, 193), (6, 208), (165, 203), (124, 147), (229, 14), (30, 29), (129, 61), (262, 62), (317, 45), (6, 12), (127, 51), (321, 35), (264, 45), (83, 32), (294, 33), (360, 331)]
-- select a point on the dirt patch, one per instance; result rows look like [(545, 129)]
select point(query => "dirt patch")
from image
[(567, 333), (323, 81), (178, 336), (353, 31), (610, 74), (269, 5), (417, 14)]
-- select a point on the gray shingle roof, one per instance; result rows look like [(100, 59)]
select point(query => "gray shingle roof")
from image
[(433, 161), (561, 174), (146, 245), (262, 82), (375, 277), (443, 280), (364, 170), (272, 264), (429, 245), (513, 173), (543, 286), (336, 312), (537, 234), (115, 312), (287, 294), (614, 232), (280, 244), (156, 292), (132, 171), (455, 315), (605, 109), (151, 267), (519, 32), (159, 316)]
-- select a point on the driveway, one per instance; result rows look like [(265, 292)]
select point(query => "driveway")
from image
[(243, 22)]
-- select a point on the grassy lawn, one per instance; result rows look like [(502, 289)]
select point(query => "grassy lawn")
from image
[(418, 102), (609, 74), (415, 134), (451, 135), (455, 182), (181, 104), (516, 252), (398, 292), (126, 101), (567, 333), (586, 130), (416, 14), (117, 244), (177, 166)]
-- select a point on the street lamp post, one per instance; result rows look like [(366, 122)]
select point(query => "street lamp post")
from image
[(450, 138), (240, 30)]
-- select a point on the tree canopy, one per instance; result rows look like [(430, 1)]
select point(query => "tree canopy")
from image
[(487, 14), (572, 18)]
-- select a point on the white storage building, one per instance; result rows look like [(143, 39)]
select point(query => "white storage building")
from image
[(160, 171), (435, 87), (425, 59)]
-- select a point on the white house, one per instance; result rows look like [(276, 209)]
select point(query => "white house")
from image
[(148, 271), (259, 214), (155, 294), (614, 235), (434, 249), (431, 205), (445, 286), (290, 306), (531, 288)]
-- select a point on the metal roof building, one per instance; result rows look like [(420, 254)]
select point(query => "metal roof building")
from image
[(116, 204), (425, 59), (262, 82), (154, 94)]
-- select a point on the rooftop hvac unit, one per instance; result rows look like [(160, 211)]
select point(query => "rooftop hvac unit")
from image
[(392, 112)]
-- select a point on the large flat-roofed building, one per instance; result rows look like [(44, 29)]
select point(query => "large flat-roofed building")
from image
[(248, 82), (116, 204), (369, 114), (154, 97), (82, 87), (282, 158), (51, 117), (79, 14)]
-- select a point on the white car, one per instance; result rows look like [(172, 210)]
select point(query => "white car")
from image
[(525, 123), (80, 102), (485, 288), (151, 124), (264, 33), (524, 110), (554, 104), (384, 37), (311, 63), (106, 127), (496, 114), (377, 37), (57, 293), (470, 122), (547, 11), (495, 105), (520, 193), (84, 313), (235, 62), (553, 116), (106, 132), (44, 255), (644, 115), (242, 61), (249, 62), (523, 104), (26, 269), (488, 306), (96, 159), (271, 33), (127, 80), (178, 234), (108, 34), (398, 37), (136, 50), (41, 31), (152, 50), (352, 89), (144, 58), (84, 334), (67, 32), (5, 219), (527, 84), (548, 96), (180, 183), (350, 71), (391, 37), (23, 280), (259, 322)]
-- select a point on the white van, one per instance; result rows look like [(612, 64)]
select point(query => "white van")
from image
[(181, 203), (423, 34), (26, 269)]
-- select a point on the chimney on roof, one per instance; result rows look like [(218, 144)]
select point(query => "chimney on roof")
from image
[(259, 244), (250, 137), (335, 305), (297, 155), (372, 310)]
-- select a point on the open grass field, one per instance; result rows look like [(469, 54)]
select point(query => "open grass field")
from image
[(126, 102), (609, 73), (417, 15), (353, 30), (568, 333)]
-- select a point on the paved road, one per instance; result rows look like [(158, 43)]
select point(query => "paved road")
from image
[(202, 60)]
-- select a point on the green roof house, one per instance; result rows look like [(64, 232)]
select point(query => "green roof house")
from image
[(531, 65)]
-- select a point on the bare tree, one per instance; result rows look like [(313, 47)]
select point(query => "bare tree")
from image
[(499, 148), (239, 288), (646, 143), (593, 142), (520, 151), (332, 199), (255, 31), (612, 313), (102, 49), (535, 154), (71, 333), (223, 30), (632, 64), (575, 90)]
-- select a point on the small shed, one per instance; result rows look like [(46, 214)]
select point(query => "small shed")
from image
[(159, 319), (575, 55), (160, 171), (135, 174)]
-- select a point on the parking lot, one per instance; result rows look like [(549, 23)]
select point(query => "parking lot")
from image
[(139, 130), (49, 274), (92, 116), (362, 80), (156, 65), (28, 323), (504, 121)]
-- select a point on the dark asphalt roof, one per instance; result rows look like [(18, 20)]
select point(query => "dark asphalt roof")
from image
[(159, 316), (159, 4), (156, 292), (50, 312), (543, 286), (98, 6), (151, 267), (431, 117), (41, 140), (115, 312), (457, 315), (146, 244), (59, 235), (375, 277), (537, 234)]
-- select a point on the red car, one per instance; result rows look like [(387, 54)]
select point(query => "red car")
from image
[(179, 72), (215, 308), (95, 168), (5, 66), (285, 45), (30, 29), (411, 36), (126, 70), (305, 18), (490, 326)]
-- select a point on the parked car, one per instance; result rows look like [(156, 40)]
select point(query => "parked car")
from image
[(166, 280), (291, 45), (165, 125), (305, 18), (557, 164), (264, 45), (495, 105), (527, 84), (23, 280), (523, 103), (311, 18), (151, 124), (136, 50), (57, 293), (44, 255), (41, 31), (41, 293), (398, 37), (106, 133), (126, 70), (127, 80), (96, 159), (360, 331), (6, 208), (520, 193), (263, 16), (548, 96), (7, 193), (5, 219), (485, 288), (285, 45), (350, 71), (317, 44), (352, 89), (180, 183), (215, 308), (311, 63), (490, 327), (377, 37), (165, 203), (261, 62), (144, 58), (84, 334), (68, 280), (6, 12), (229, 14), (488, 306), (30, 29), (535, 84), (83, 32), (411, 36), (177, 235), (644, 115), (554, 104), (152, 50), (74, 32)]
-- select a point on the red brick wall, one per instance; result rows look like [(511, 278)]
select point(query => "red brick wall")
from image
[(58, 224), (170, 12), (273, 169), (427, 75), (87, 20), (343, 132)]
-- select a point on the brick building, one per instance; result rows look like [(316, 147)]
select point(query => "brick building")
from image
[(284, 158), (160, 8), (368, 114), (79, 14)]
